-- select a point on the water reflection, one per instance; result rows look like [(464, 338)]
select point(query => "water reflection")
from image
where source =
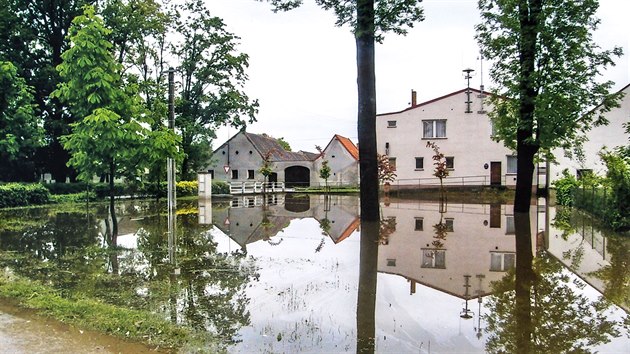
[(300, 273)]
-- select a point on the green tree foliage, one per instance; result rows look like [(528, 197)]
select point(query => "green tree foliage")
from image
[(21, 131), (557, 318), (33, 36), (324, 172), (369, 20), (547, 65), (111, 138), (212, 79), (618, 178)]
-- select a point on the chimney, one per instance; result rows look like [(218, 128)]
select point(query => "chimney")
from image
[(413, 98)]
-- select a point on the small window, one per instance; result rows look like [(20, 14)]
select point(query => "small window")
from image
[(419, 225), (391, 124), (250, 174), (392, 163), (511, 164), (501, 262), (435, 128), (234, 174), (450, 162), (386, 148), (510, 229), (449, 224), (391, 262), (433, 258), (419, 163)]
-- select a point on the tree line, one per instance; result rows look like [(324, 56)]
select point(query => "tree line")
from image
[(84, 88)]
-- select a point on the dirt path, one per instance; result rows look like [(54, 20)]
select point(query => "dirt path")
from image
[(22, 331)]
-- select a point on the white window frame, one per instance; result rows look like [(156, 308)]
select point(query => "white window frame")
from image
[(430, 129), (391, 124), (511, 164), (422, 160)]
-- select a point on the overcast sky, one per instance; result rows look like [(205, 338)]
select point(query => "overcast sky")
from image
[(303, 70)]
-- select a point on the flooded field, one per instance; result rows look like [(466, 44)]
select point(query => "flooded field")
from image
[(289, 274)]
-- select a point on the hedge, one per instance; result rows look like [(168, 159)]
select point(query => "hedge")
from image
[(17, 194)]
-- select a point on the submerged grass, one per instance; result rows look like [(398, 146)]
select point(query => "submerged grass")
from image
[(90, 314)]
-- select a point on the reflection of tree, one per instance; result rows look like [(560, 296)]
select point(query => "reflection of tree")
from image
[(366, 297), (616, 275), (537, 309), (387, 226)]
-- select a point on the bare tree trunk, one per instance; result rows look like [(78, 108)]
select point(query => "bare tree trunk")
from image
[(526, 148), (366, 84)]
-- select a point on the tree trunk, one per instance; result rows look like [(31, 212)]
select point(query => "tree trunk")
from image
[(366, 295), (366, 84), (529, 12), (523, 283), (112, 209)]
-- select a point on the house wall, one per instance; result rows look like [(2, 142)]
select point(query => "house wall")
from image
[(344, 168), (239, 154), (482, 230), (468, 141), (610, 136)]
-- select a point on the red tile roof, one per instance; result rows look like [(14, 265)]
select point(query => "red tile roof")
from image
[(348, 145)]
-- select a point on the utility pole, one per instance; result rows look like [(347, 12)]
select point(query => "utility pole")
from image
[(170, 169)]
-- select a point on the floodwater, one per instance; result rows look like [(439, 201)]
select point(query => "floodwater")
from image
[(289, 274)]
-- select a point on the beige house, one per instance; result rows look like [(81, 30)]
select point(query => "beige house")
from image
[(241, 157), (459, 124), (610, 136)]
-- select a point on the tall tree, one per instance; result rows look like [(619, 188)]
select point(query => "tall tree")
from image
[(21, 130), (32, 36), (369, 20), (212, 79), (111, 138), (547, 65)]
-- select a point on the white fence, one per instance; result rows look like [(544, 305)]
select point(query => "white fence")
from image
[(256, 187)]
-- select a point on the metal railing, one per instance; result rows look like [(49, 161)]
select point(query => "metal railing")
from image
[(448, 181), (256, 187)]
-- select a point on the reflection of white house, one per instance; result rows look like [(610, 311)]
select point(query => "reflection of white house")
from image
[(478, 247), (241, 157), (253, 218), (611, 136)]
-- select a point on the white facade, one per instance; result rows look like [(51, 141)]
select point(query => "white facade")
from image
[(610, 136), (343, 159), (459, 124)]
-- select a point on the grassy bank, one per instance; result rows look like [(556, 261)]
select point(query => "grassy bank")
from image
[(91, 314)]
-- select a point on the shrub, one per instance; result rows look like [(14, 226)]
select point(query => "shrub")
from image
[(565, 188), (186, 188), (220, 187), (18, 194)]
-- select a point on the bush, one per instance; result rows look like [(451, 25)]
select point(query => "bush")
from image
[(66, 188), (565, 189), (18, 194), (220, 187), (186, 188)]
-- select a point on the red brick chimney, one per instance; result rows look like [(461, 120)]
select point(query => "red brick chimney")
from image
[(413, 98)]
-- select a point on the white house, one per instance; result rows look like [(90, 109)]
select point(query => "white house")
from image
[(459, 124), (610, 136), (343, 159), (241, 157)]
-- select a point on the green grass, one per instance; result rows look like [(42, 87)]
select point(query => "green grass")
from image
[(91, 314)]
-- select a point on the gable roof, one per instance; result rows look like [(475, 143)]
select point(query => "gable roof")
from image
[(437, 99), (264, 145), (352, 149)]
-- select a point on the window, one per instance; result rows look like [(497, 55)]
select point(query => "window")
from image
[(434, 128), (211, 172), (449, 224), (450, 162), (250, 174), (234, 174), (432, 258), (419, 226), (510, 229), (386, 148), (392, 163), (419, 163), (511, 164), (391, 262), (391, 124), (501, 262)]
